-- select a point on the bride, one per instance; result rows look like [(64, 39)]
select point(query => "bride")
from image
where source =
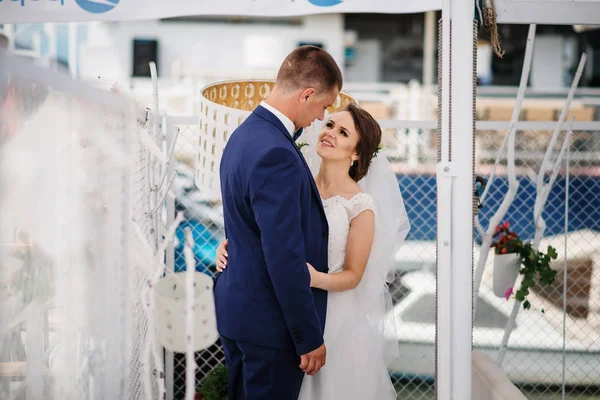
[(367, 222)]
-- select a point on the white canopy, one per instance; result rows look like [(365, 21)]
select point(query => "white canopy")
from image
[(566, 12), (23, 11)]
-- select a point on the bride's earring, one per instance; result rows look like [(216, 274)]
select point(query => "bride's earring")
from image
[(352, 164)]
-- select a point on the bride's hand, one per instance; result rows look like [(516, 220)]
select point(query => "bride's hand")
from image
[(222, 256), (313, 275)]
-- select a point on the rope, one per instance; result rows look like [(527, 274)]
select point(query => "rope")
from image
[(439, 159), (450, 102), (475, 203), (440, 86), (490, 25)]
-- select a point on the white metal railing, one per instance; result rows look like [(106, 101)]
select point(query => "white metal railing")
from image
[(418, 255)]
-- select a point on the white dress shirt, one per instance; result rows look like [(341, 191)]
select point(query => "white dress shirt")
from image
[(287, 123)]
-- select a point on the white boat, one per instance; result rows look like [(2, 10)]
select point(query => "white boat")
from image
[(535, 349)]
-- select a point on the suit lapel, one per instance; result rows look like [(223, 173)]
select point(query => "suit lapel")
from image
[(310, 178), (268, 116)]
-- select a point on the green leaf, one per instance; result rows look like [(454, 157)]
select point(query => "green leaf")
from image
[(214, 386), (552, 252), (535, 265), (301, 145)]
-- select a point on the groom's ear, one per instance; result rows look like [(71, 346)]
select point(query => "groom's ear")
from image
[(306, 94)]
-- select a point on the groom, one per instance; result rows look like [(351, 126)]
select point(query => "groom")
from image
[(271, 323)]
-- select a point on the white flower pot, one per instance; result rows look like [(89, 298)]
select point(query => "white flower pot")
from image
[(171, 310), (506, 270)]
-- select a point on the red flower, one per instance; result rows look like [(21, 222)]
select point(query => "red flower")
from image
[(503, 251)]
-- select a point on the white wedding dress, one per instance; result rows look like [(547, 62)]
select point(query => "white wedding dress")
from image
[(355, 367)]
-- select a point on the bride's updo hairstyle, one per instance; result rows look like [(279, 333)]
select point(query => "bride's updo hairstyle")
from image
[(369, 137)]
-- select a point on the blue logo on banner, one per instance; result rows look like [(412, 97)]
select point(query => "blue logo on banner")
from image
[(98, 6), (325, 3)]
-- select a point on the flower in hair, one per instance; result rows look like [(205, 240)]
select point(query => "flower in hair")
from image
[(377, 150)]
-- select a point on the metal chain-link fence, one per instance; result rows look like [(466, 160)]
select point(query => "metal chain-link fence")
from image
[(146, 190), (534, 360), (556, 342)]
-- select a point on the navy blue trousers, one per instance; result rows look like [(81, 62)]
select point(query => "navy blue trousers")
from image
[(261, 373)]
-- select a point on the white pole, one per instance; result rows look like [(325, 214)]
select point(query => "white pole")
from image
[(566, 265), (402, 114), (9, 31), (35, 350), (414, 90), (37, 44), (190, 361), (155, 137), (429, 51), (428, 70), (170, 261), (462, 195), (50, 30), (73, 53), (444, 225)]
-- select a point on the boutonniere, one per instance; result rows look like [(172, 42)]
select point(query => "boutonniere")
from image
[(301, 145)]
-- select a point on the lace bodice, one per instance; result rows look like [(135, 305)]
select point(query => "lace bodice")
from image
[(340, 212)]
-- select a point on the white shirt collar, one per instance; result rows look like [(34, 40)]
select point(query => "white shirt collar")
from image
[(287, 123)]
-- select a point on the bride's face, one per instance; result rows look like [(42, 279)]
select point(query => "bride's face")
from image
[(338, 139)]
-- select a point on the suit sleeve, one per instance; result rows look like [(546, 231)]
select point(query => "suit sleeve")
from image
[(274, 192)]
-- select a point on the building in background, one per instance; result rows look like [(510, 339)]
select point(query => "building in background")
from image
[(368, 47)]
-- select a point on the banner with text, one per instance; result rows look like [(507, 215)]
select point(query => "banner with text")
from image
[(26, 11)]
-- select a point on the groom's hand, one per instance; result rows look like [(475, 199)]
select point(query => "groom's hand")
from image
[(311, 363), (222, 255)]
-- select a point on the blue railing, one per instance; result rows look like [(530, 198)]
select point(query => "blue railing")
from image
[(419, 192)]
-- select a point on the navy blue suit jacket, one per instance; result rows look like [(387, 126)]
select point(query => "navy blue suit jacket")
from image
[(275, 223)]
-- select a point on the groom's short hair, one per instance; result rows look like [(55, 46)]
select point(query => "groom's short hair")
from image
[(310, 66)]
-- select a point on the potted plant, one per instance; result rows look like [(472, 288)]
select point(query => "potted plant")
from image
[(513, 256), (214, 386)]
